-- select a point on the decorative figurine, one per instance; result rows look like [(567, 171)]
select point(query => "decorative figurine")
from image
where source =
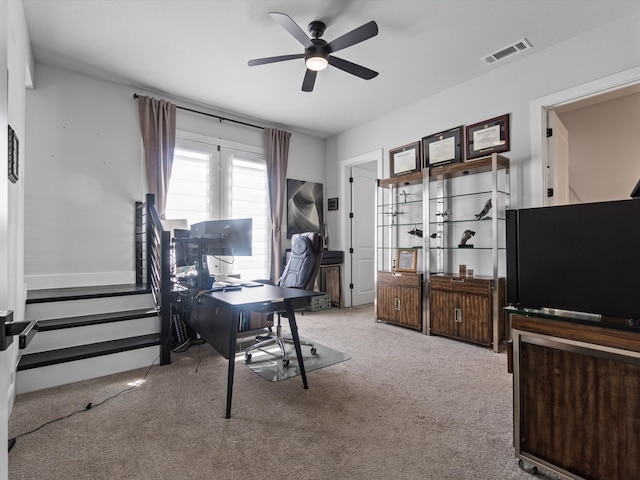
[(465, 238), (416, 231), (445, 213), (485, 210)]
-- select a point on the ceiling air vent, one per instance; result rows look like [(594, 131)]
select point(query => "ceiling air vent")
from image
[(505, 52)]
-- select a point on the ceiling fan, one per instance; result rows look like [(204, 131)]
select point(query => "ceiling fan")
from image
[(318, 53)]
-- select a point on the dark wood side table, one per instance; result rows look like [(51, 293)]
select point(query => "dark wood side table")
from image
[(576, 394)]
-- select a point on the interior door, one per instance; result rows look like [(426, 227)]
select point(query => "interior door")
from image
[(558, 161), (363, 189)]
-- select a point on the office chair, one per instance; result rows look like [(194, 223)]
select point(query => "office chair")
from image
[(300, 272)]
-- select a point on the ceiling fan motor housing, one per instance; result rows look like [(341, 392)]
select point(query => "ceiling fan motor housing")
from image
[(317, 49)]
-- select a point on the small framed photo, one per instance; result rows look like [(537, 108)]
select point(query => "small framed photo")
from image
[(490, 136), (14, 150), (407, 260), (405, 159), (332, 203), (443, 148)]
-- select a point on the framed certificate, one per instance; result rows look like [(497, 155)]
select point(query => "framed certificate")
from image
[(405, 159), (443, 148), (406, 260), (490, 136)]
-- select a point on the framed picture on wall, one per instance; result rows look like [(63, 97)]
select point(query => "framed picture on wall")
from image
[(443, 148), (405, 159), (305, 207), (487, 137)]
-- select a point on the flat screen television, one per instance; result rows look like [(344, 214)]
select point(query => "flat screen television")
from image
[(231, 237), (583, 257)]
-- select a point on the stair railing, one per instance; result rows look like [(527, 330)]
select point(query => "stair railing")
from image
[(153, 264)]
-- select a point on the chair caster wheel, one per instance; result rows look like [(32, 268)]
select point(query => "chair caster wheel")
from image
[(247, 357), (285, 362), (313, 350)]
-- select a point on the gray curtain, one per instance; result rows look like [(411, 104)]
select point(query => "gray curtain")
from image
[(277, 156), (158, 127)]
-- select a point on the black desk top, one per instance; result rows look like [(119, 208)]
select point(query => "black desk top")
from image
[(248, 296)]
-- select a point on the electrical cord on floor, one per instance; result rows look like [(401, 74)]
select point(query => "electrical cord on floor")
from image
[(12, 440), (199, 358)]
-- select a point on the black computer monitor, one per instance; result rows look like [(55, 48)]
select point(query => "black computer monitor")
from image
[(182, 253), (231, 237)]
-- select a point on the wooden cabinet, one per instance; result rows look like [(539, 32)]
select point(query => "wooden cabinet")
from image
[(576, 394), (465, 211), (329, 283), (399, 298), (462, 308)]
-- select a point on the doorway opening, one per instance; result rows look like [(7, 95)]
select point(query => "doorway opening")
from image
[(358, 184), (585, 139)]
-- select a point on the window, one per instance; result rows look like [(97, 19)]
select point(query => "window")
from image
[(210, 182), (189, 192)]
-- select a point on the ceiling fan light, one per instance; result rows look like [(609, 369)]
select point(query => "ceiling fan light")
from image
[(316, 63)]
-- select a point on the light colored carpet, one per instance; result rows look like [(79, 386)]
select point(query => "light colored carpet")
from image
[(405, 406)]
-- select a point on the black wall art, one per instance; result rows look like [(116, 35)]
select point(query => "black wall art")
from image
[(304, 207)]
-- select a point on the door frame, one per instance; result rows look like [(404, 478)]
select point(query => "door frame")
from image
[(345, 234), (538, 117)]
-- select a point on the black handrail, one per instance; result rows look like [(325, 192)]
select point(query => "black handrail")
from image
[(157, 266)]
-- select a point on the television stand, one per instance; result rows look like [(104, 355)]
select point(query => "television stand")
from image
[(576, 393)]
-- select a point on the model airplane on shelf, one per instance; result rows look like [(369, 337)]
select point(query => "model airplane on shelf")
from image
[(484, 211), (444, 214), (416, 231), (394, 214)]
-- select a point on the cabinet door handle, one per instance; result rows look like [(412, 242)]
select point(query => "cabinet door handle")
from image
[(458, 314), (397, 303)]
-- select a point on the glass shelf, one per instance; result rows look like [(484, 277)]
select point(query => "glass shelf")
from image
[(399, 204), (461, 195), (464, 220)]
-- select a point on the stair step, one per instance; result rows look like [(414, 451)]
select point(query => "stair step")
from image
[(53, 357), (95, 319), (84, 293)]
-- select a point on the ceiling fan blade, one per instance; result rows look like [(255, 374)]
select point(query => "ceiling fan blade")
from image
[(352, 68), (281, 58), (292, 27), (357, 35), (309, 80)]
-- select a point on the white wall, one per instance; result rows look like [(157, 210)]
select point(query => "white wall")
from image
[(86, 173), (509, 89), (16, 60)]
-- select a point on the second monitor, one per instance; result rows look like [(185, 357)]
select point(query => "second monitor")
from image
[(225, 237)]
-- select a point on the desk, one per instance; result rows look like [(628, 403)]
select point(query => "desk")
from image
[(216, 316)]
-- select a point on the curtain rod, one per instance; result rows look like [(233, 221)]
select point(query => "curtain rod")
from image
[(135, 96)]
